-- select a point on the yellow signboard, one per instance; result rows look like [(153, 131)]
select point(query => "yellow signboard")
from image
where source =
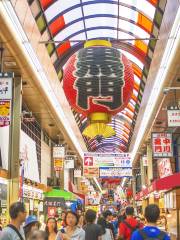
[(58, 164)]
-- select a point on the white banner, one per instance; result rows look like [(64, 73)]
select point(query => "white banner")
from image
[(59, 152), (122, 160), (115, 172), (4, 147), (145, 161), (69, 163), (29, 156), (77, 173), (173, 118), (5, 86)]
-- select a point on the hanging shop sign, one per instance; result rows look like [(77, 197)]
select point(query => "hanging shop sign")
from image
[(5, 113), (115, 172), (122, 160), (5, 98), (98, 83), (77, 173), (91, 172), (69, 163), (164, 167), (162, 145), (58, 164), (6, 86), (174, 117), (145, 161), (59, 151)]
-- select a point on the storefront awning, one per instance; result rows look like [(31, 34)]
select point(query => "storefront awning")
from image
[(165, 183), (61, 194)]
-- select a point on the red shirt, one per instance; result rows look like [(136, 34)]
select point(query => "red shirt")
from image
[(125, 231)]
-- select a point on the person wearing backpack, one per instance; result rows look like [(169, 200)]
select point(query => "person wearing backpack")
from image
[(150, 231), (129, 225)]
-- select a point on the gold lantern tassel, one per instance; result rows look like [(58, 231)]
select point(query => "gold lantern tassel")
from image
[(98, 126)]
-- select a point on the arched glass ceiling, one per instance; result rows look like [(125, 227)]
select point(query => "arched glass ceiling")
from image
[(131, 25)]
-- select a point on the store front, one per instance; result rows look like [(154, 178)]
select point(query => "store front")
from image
[(165, 192)]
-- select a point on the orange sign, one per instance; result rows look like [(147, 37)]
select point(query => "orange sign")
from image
[(91, 172), (58, 164)]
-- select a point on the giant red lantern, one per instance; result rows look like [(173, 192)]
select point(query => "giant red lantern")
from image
[(98, 82)]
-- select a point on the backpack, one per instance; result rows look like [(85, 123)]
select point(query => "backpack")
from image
[(132, 228), (144, 235)]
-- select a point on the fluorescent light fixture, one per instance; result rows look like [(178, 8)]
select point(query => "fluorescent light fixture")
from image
[(23, 41), (170, 50)]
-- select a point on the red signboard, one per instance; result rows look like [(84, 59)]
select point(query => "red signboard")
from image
[(162, 145)]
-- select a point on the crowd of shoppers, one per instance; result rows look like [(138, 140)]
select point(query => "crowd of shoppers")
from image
[(80, 226)]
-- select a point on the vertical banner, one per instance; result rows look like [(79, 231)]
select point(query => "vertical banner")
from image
[(5, 98), (58, 156), (162, 145), (6, 80)]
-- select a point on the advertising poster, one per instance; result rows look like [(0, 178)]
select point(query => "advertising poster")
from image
[(164, 167), (5, 113)]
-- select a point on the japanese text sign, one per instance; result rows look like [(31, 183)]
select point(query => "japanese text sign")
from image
[(174, 118), (91, 172), (122, 160), (58, 152), (5, 86), (162, 144), (115, 172)]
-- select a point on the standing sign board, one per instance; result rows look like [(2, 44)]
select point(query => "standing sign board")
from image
[(5, 98), (58, 155), (174, 117), (162, 145)]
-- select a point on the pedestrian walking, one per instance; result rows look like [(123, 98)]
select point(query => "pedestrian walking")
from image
[(31, 224), (151, 231), (129, 225), (71, 231), (51, 228), (92, 230), (14, 231), (106, 232)]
